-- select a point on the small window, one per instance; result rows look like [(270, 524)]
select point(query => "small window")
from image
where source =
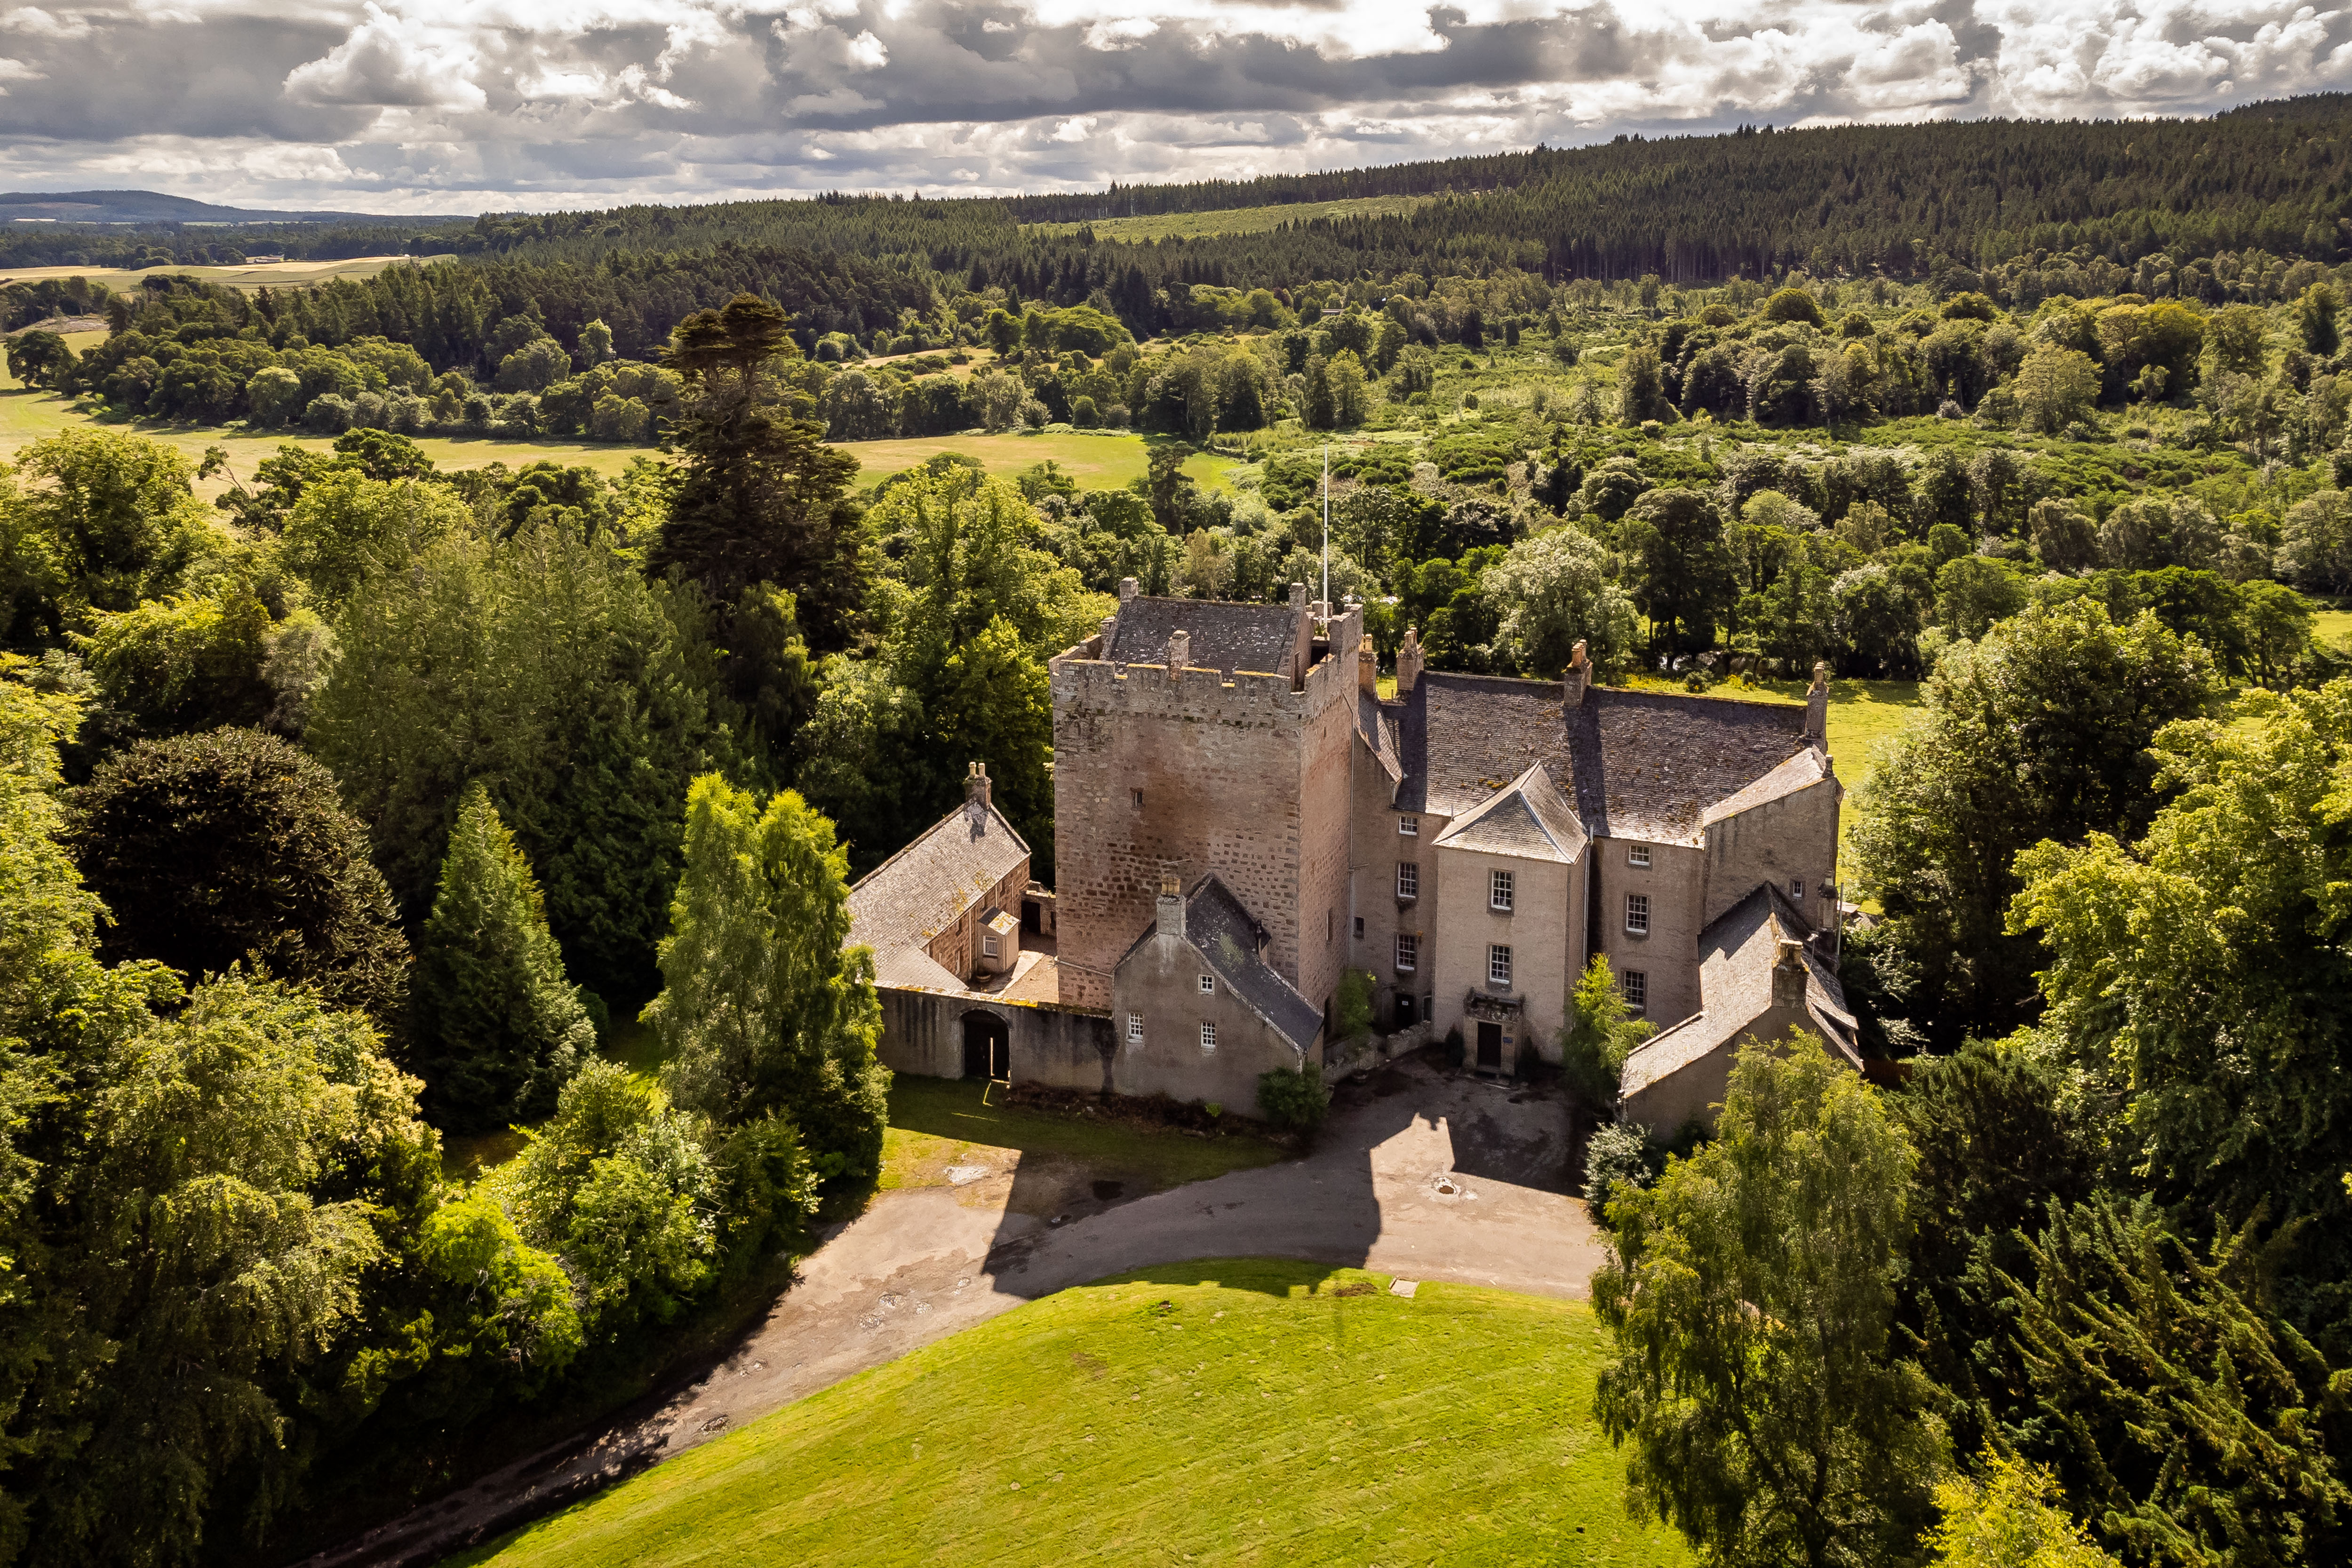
[(1408, 879), (1498, 965), (1636, 986), (1138, 796), (1499, 891), (1796, 888), (1208, 985), (1408, 826), (1408, 953), (1360, 929), (1637, 854), (1135, 1028), (1637, 914), (988, 946), (1208, 1037)]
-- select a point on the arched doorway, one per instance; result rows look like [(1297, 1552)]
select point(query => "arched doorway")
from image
[(987, 1046)]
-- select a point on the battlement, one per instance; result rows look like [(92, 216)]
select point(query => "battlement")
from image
[(1083, 678)]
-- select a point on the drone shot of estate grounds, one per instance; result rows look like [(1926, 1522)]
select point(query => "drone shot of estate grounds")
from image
[(1287, 782)]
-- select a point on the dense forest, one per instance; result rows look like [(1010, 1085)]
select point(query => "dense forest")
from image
[(378, 807)]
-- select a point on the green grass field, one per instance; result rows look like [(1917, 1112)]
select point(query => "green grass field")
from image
[(1227, 1412), (1096, 460), (2332, 627), (273, 275), (1234, 220), (936, 1122)]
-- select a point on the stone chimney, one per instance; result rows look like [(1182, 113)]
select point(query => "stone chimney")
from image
[(1172, 907), (1788, 976), (1109, 632), (1302, 639), (975, 787), (1817, 708), (1408, 663), (1298, 596), (1127, 588), (1180, 653), (1368, 665), (1578, 679)]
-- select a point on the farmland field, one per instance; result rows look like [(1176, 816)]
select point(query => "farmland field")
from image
[(1096, 460), (1233, 1411), (267, 275), (1235, 220)]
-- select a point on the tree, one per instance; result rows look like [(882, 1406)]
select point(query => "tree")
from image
[(1972, 592), (2037, 731), (192, 662), (2010, 1518), (762, 1012), (1345, 378), (763, 497), (1681, 575), (1750, 1293), (2315, 549), (498, 1029), (1600, 1034), (1553, 591), (1317, 409), (2055, 388), (1641, 386), (343, 524), (2196, 978), (231, 847), (105, 521)]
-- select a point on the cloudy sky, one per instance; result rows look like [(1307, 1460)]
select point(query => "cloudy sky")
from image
[(471, 105)]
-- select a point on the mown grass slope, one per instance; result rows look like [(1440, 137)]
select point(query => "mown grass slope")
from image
[(1230, 1412)]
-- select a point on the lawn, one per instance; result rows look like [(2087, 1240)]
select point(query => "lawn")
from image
[(936, 1122), (1094, 459), (1235, 220), (1233, 1412), (2332, 627)]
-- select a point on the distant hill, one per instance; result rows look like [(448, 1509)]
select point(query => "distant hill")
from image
[(152, 207)]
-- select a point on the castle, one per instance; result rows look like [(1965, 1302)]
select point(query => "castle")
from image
[(1241, 819)]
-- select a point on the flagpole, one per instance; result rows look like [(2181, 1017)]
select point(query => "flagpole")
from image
[(1326, 530)]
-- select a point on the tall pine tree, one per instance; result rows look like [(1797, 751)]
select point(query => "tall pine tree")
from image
[(497, 1028)]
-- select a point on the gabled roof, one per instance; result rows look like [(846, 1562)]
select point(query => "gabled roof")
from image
[(1528, 817), (1220, 928), (1376, 726), (925, 887), (1802, 772), (1737, 953), (1227, 637), (1636, 765)]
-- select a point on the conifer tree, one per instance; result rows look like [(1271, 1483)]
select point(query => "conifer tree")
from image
[(499, 1029)]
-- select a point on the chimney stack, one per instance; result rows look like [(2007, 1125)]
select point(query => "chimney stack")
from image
[(1127, 589), (1788, 976), (1180, 653), (1172, 907), (975, 797), (1578, 679), (1298, 596), (1409, 663), (1817, 708), (1368, 665)]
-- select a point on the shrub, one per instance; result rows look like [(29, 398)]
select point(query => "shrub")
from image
[(1295, 1100), (1355, 1005), (1622, 1151)]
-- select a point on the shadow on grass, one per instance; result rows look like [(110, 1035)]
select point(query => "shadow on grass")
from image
[(1282, 1278)]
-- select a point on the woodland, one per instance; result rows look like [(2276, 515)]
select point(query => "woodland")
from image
[(421, 891)]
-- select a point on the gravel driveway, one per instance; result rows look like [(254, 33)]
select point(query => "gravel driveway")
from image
[(1418, 1175)]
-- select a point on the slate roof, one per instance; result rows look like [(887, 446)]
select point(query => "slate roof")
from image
[(1648, 764), (1220, 926), (1226, 637), (917, 892), (1637, 765), (1737, 953), (1528, 818)]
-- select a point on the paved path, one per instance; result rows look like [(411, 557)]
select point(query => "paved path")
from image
[(1427, 1178)]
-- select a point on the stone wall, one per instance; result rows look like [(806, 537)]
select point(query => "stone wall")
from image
[(1675, 885), (1544, 931), (1375, 849), (956, 949), (1246, 777), (923, 1033), (1792, 839)]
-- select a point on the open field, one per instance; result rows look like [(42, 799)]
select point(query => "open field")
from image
[(272, 275), (1236, 1412), (1096, 460), (1235, 220), (29, 416), (2332, 627), (939, 1122)]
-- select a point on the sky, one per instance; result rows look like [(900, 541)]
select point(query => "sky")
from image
[(464, 105)]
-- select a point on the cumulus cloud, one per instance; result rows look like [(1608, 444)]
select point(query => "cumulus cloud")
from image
[(441, 105)]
